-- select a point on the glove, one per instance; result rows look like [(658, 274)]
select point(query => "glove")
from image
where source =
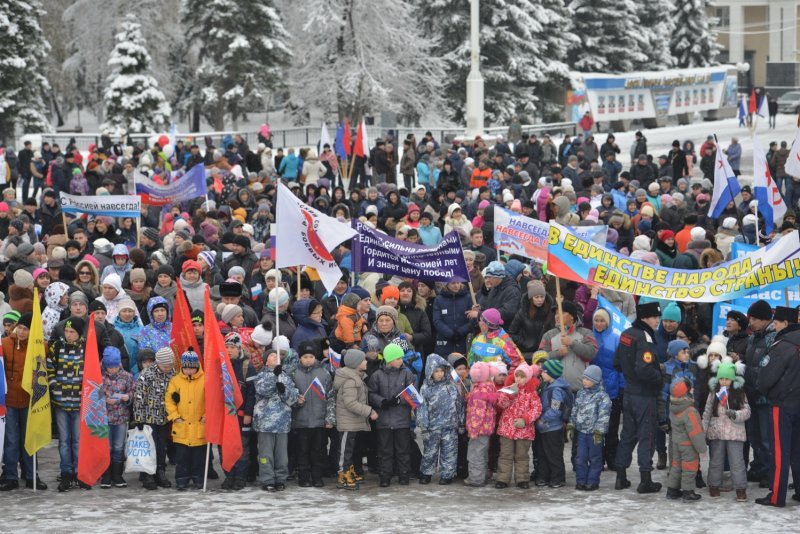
[(398, 401), (387, 403), (278, 370), (570, 432), (139, 426), (597, 437), (176, 397), (731, 414), (281, 387), (664, 426), (519, 423)]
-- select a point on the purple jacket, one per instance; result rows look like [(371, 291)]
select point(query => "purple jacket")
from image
[(114, 386)]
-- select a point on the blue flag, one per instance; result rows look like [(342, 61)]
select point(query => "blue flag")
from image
[(619, 322), (339, 144)]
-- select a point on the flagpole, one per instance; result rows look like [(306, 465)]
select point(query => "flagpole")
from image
[(299, 275), (558, 303), (34, 472), (756, 201), (205, 471)]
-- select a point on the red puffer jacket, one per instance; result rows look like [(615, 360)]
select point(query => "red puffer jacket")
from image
[(525, 405)]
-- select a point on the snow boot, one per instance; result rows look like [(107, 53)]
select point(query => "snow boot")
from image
[(117, 468), (239, 484), (713, 492), (105, 480), (690, 496), (39, 484), (227, 484), (162, 481), (673, 493), (647, 485), (9, 485), (65, 483), (741, 495), (354, 475), (345, 481), (698, 480), (662, 461), (149, 482), (622, 480)]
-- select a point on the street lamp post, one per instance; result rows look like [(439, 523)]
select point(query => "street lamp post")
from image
[(474, 79)]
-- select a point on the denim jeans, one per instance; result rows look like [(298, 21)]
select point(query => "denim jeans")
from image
[(14, 451), (68, 433), (589, 462), (117, 438)]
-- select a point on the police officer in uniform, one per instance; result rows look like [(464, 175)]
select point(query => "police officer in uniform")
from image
[(637, 360), (779, 380)]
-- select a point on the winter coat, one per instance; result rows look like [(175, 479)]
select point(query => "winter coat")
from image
[(273, 410), (607, 342), (149, 398), (420, 324), (592, 410), (155, 335), (430, 235), (189, 405), (307, 328), (14, 353), (481, 413), (671, 371), (52, 312), (349, 326), (387, 383), (526, 331), (352, 394), (495, 346), (716, 422), (129, 333), (313, 170), (580, 354), (65, 373), (443, 406), (779, 375), (757, 346), (556, 397), (450, 322), (289, 167), (525, 405), (114, 386), (504, 297), (195, 293), (686, 425), (315, 412)]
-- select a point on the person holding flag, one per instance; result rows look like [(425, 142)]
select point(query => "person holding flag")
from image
[(313, 414), (726, 186), (185, 404), (236, 477), (17, 403)]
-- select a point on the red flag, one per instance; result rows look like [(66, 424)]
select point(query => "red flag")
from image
[(94, 454), (753, 106), (359, 148), (182, 336), (348, 149), (223, 397)]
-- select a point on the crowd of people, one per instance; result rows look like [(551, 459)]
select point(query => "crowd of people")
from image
[(503, 378)]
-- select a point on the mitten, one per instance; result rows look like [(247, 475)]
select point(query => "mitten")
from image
[(176, 397), (519, 423), (387, 403), (278, 370), (281, 387), (570, 432), (731, 414), (597, 437)]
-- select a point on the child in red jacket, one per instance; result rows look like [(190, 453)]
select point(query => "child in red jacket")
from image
[(521, 407)]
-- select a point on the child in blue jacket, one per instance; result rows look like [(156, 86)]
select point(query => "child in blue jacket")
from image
[(556, 401), (588, 425)]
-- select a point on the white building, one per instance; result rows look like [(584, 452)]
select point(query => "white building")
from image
[(764, 34)]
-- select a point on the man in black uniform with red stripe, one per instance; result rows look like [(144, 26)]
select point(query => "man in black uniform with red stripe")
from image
[(636, 358), (779, 380)]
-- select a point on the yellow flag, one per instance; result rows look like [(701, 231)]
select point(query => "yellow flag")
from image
[(34, 381)]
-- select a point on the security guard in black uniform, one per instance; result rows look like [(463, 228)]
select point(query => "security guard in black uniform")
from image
[(637, 360)]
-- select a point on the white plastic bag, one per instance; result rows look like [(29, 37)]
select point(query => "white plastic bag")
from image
[(141, 451)]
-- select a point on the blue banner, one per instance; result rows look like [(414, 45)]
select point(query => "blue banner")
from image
[(619, 322), (189, 186), (721, 310), (109, 205)]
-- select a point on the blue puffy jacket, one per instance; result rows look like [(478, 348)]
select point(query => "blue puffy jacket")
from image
[(556, 398), (443, 407), (307, 328), (450, 322), (613, 380)]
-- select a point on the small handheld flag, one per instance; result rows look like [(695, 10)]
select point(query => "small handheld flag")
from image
[(722, 395), (508, 391), (317, 388), (411, 396), (455, 376), (335, 358)]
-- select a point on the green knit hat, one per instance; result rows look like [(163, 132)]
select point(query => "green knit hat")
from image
[(392, 352), (11, 317), (726, 370), (554, 368)]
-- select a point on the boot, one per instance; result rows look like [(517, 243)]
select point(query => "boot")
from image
[(227, 484), (741, 495), (304, 479), (162, 481), (425, 479), (622, 480), (239, 484), (647, 485), (212, 474), (65, 483), (673, 493), (149, 482), (662, 461), (345, 481), (117, 469), (9, 485), (39, 484), (713, 492), (105, 480), (698, 480), (355, 476), (690, 496)]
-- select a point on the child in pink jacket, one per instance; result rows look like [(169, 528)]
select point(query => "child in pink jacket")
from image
[(480, 420)]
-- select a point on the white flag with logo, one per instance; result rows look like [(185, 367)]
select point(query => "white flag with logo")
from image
[(307, 236), (792, 165)]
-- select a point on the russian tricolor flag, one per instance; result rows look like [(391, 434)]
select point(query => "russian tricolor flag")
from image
[(411, 396), (722, 395), (318, 389), (335, 358)]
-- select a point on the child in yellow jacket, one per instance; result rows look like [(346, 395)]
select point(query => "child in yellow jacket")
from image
[(185, 403)]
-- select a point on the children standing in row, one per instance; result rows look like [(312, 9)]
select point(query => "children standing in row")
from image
[(556, 404), (589, 424), (185, 404)]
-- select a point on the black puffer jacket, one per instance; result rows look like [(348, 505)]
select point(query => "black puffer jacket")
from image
[(527, 331), (505, 298), (386, 384), (779, 378)]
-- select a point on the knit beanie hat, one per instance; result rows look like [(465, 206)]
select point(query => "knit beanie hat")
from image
[(126, 304), (361, 292), (262, 336), (726, 370), (11, 317), (23, 278), (671, 312), (386, 310), (233, 338), (352, 358), (309, 347), (351, 300), (536, 289), (146, 355), (190, 360), (760, 309), (492, 318), (593, 373), (23, 320), (642, 242), (601, 312), (539, 356), (138, 275), (390, 292), (717, 347), (164, 356), (236, 270), (392, 352), (111, 357), (697, 233), (76, 323), (281, 343), (554, 368), (230, 311), (675, 346), (680, 388), (278, 297)]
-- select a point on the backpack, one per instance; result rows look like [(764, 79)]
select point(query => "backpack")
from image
[(566, 405)]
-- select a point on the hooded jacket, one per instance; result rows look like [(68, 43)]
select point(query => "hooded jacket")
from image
[(349, 326), (190, 406), (450, 322), (307, 328), (386, 384), (525, 405), (716, 422), (52, 312), (555, 398), (315, 412), (443, 406), (112, 305), (119, 250), (14, 352), (273, 410), (607, 342), (592, 410), (155, 335), (686, 425), (129, 332), (352, 395)]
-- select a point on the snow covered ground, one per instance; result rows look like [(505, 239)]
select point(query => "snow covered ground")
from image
[(413, 508)]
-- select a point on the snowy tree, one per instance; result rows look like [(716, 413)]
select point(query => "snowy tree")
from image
[(694, 42), (523, 51), (134, 103), (354, 57), (23, 49), (657, 28), (239, 47), (610, 34)]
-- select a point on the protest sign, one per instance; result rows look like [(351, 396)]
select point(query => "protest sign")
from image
[(520, 235), (190, 185), (375, 252), (576, 259), (109, 205)]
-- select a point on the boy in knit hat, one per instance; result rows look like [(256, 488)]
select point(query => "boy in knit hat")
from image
[(149, 409), (687, 439), (352, 412), (588, 425), (394, 437), (236, 478), (557, 400), (118, 387), (185, 404)]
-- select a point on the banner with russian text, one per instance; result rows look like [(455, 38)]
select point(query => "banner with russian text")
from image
[(190, 185), (374, 252), (109, 205), (574, 258), (520, 235)]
